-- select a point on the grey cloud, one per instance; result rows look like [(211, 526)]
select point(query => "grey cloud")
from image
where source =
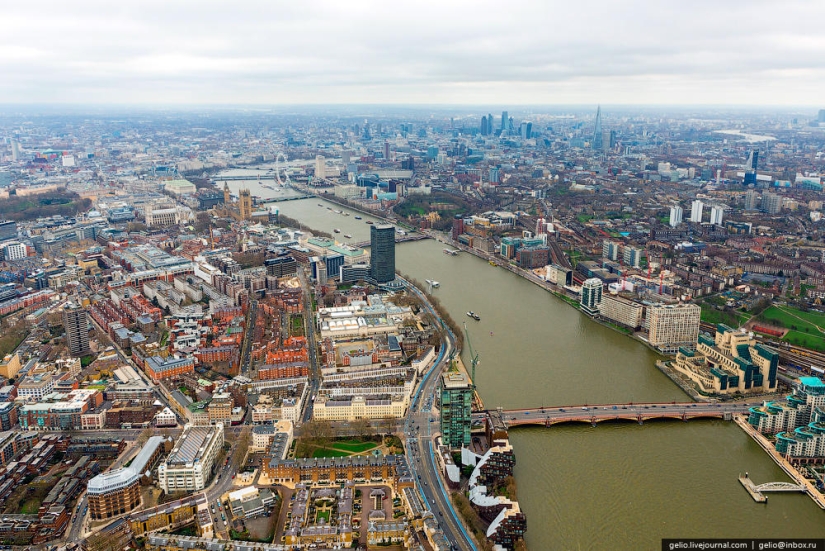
[(412, 52)]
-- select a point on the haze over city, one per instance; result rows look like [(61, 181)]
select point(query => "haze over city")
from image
[(330, 52)]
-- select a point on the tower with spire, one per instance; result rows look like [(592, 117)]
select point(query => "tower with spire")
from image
[(597, 131)]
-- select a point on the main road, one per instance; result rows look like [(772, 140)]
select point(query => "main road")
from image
[(422, 424)]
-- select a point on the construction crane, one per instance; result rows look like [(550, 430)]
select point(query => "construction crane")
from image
[(473, 356)]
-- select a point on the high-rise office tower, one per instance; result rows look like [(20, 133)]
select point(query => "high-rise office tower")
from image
[(591, 297), (456, 409), (696, 211), (382, 252), (489, 123), (753, 160), (386, 151), (76, 324), (676, 215), (750, 167), (526, 130), (598, 136), (716, 214), (504, 119), (484, 127)]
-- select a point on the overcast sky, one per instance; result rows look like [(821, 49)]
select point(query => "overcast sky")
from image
[(505, 52)]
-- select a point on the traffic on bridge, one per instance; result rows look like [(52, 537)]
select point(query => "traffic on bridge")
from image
[(614, 412)]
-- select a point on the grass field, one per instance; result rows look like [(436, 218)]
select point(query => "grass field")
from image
[(714, 316), (353, 446), (30, 507), (804, 326), (329, 453), (322, 515)]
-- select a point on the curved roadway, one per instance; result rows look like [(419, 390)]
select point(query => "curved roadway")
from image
[(421, 426)]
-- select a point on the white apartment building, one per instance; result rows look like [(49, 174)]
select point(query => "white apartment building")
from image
[(14, 251), (696, 208), (34, 387), (676, 213), (673, 325), (189, 466), (621, 310), (716, 214)]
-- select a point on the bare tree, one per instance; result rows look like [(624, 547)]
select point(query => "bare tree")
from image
[(362, 428), (144, 436), (242, 449), (319, 432), (387, 425)]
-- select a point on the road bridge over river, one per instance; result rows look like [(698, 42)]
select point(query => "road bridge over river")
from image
[(593, 414)]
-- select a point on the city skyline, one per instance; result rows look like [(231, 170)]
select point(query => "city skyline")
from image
[(329, 53)]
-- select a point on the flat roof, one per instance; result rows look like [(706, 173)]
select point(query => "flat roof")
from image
[(812, 381), (187, 449), (120, 478)]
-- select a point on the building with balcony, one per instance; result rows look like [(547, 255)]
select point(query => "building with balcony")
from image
[(456, 398), (591, 297), (672, 326), (622, 311), (190, 463)]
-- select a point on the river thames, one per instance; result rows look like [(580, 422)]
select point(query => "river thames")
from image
[(615, 486)]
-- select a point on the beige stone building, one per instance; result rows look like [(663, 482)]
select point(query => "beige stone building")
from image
[(673, 325)]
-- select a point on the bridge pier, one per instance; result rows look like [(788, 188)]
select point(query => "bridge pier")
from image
[(639, 419)]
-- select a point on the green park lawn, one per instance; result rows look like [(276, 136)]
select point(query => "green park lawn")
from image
[(803, 326), (320, 452), (353, 446), (714, 316)]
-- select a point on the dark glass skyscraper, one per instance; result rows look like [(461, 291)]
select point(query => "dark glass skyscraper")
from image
[(382, 253)]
